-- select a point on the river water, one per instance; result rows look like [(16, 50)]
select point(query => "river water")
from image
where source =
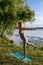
[(35, 36)]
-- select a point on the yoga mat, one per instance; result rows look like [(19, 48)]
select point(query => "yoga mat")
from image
[(20, 56)]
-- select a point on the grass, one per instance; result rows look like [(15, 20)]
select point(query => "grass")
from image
[(7, 46)]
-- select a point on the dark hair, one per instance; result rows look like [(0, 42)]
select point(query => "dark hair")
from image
[(20, 24)]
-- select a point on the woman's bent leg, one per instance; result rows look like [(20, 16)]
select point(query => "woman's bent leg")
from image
[(31, 44)]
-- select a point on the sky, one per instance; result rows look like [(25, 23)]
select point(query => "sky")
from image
[(37, 7)]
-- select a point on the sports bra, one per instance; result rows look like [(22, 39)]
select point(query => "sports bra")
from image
[(21, 31)]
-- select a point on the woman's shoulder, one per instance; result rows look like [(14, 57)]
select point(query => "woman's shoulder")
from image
[(23, 25)]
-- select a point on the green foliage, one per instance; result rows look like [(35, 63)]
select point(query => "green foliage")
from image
[(41, 48), (11, 11), (7, 47)]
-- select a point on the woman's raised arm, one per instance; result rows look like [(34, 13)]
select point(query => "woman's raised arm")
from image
[(28, 28)]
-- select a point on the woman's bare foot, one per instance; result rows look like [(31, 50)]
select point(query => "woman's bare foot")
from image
[(23, 59)]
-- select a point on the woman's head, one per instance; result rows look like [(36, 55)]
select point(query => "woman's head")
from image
[(20, 24)]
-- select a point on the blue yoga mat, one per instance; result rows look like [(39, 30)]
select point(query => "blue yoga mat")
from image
[(20, 56)]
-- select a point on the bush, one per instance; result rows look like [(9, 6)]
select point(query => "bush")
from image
[(11, 41)]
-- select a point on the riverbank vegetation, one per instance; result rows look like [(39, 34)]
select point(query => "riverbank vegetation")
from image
[(7, 46)]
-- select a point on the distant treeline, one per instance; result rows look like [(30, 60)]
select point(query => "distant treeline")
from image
[(39, 27)]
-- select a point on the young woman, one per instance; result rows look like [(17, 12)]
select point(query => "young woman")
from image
[(22, 29)]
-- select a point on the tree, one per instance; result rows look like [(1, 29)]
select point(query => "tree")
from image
[(11, 11)]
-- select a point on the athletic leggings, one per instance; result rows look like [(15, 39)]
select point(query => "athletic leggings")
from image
[(24, 43)]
